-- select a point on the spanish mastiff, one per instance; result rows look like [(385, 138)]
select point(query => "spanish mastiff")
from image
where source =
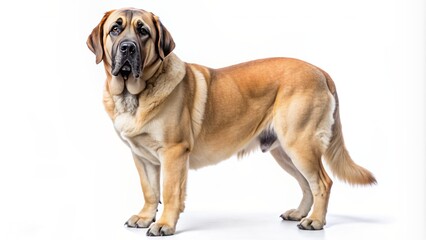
[(176, 116)]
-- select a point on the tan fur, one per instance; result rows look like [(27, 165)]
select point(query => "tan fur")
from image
[(177, 116), (339, 160)]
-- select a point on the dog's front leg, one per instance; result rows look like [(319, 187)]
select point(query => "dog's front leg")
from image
[(174, 165), (150, 181)]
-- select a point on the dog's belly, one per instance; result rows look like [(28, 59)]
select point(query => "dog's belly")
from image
[(239, 135), (213, 151), (202, 156)]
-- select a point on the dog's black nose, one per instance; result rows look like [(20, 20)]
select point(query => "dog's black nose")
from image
[(128, 47)]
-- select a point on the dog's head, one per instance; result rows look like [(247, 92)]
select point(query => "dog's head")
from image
[(132, 43)]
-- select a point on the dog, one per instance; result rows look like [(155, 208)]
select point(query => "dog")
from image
[(176, 116)]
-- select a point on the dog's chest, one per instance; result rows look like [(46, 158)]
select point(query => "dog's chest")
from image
[(126, 106), (126, 103), (144, 141)]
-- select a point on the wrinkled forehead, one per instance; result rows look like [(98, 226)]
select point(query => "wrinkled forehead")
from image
[(129, 16)]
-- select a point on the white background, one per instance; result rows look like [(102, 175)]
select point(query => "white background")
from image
[(64, 174)]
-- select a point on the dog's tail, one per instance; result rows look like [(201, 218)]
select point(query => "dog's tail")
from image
[(336, 155)]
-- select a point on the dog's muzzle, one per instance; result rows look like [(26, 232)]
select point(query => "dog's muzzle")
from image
[(127, 60)]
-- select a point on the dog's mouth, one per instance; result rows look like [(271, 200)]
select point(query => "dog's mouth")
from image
[(125, 70)]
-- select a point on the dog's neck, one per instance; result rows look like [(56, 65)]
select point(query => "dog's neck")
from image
[(162, 82), (152, 70), (168, 75), (127, 102), (132, 112)]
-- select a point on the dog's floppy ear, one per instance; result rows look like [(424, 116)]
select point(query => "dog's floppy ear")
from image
[(165, 43), (95, 42)]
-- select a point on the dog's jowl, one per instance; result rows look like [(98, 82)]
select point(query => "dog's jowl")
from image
[(176, 116)]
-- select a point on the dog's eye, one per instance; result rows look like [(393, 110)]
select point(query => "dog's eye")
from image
[(143, 31), (115, 30)]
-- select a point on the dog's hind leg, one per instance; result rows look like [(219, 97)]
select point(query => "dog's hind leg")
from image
[(306, 203), (303, 124), (310, 165)]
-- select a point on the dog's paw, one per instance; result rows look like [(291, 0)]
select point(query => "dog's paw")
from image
[(311, 224), (293, 215), (136, 221), (158, 229)]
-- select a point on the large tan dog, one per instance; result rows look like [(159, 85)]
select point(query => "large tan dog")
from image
[(175, 116)]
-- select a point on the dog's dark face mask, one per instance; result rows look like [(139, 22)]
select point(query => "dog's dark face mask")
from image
[(127, 55), (132, 43)]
